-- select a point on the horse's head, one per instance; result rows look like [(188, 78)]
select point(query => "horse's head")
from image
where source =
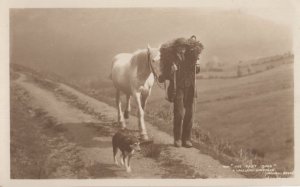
[(154, 57)]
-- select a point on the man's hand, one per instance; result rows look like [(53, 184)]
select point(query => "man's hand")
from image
[(197, 67), (161, 78), (173, 68)]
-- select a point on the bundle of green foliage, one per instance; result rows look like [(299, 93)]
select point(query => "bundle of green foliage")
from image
[(168, 54)]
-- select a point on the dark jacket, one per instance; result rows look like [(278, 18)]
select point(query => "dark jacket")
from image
[(185, 75)]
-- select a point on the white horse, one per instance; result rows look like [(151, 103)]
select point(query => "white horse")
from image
[(134, 75)]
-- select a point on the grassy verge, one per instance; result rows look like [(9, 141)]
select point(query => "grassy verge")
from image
[(38, 148), (28, 147)]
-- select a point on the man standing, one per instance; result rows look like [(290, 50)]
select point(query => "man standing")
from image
[(183, 70)]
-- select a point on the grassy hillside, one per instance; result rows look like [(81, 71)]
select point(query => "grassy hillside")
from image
[(257, 114), (253, 112)]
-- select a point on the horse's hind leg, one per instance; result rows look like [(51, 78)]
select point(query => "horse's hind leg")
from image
[(128, 108), (121, 120)]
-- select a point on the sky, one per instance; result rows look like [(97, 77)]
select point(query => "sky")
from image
[(89, 38), (279, 11)]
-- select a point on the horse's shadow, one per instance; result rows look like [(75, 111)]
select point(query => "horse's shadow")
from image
[(88, 134), (91, 134)]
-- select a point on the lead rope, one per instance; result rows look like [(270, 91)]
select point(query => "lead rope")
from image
[(195, 97), (165, 88), (175, 81)]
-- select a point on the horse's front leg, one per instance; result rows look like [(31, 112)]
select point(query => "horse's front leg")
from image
[(128, 107), (144, 97), (121, 120), (142, 127)]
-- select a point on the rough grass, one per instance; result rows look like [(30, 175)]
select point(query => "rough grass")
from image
[(152, 150), (38, 150), (260, 111), (28, 148)]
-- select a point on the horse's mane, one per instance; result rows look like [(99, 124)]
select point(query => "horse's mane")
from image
[(138, 52), (139, 58)]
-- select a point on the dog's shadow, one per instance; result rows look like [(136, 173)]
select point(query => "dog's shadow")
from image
[(152, 150), (100, 170)]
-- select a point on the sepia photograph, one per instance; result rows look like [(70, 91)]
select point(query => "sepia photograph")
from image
[(153, 92)]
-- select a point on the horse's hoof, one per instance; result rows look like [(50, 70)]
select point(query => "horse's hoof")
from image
[(122, 125), (122, 163), (144, 137), (126, 114), (128, 170)]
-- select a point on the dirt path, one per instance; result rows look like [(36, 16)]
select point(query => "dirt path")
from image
[(90, 124)]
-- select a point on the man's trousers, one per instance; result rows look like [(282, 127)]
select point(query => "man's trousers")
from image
[(183, 113)]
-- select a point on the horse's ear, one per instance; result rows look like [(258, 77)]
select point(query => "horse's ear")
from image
[(148, 47)]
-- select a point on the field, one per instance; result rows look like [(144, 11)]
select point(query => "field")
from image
[(251, 114)]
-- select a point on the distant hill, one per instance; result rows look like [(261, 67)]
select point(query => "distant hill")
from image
[(80, 43)]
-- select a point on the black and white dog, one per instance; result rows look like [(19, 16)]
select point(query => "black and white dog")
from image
[(128, 144)]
